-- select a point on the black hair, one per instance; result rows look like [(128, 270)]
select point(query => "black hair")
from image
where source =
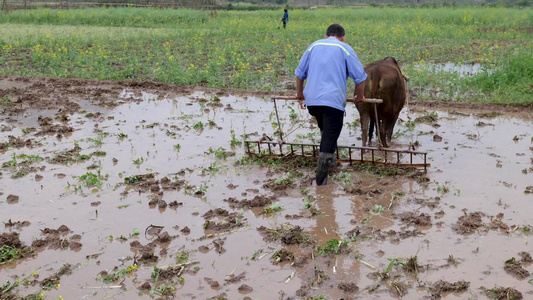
[(285, 10), (335, 30)]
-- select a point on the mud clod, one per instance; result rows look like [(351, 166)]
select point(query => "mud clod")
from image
[(501, 293), (235, 278), (411, 218), (514, 267), (245, 289), (212, 283), (525, 257), (287, 234), (12, 199), (441, 287), (468, 223), (257, 201), (17, 225), (348, 287)]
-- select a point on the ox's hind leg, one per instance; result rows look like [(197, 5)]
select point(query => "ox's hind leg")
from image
[(390, 129), (371, 131), (365, 120)]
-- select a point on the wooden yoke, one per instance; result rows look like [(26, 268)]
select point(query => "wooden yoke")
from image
[(349, 99)]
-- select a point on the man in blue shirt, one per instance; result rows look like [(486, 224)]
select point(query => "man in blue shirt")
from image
[(326, 65), (285, 18)]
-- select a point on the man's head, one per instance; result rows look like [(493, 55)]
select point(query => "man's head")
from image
[(337, 31), (285, 10)]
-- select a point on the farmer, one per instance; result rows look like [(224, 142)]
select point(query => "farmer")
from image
[(326, 65), (285, 18)]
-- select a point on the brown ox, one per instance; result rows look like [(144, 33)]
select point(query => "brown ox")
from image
[(385, 81)]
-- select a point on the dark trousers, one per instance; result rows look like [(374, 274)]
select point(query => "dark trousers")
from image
[(330, 122)]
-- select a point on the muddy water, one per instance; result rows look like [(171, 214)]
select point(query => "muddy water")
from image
[(481, 164)]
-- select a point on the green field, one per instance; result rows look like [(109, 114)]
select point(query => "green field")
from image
[(246, 50)]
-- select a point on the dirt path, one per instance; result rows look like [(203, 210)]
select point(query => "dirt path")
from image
[(135, 189)]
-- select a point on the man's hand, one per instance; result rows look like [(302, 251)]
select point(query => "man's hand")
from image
[(359, 100), (300, 92), (301, 100), (359, 93)]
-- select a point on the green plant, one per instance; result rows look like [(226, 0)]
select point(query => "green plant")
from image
[(182, 257), (198, 126), (133, 179), (90, 179), (378, 209), (292, 113), (286, 179), (219, 152), (8, 253), (138, 161), (234, 141), (332, 246), (274, 207), (345, 177), (177, 147), (393, 261)]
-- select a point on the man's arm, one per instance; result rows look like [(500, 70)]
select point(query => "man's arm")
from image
[(300, 92), (359, 93)]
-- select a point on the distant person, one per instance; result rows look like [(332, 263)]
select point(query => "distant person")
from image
[(285, 18), (326, 65)]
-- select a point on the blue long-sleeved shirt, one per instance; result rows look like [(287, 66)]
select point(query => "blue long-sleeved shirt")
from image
[(326, 65), (285, 17)]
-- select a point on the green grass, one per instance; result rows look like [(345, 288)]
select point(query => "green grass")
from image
[(244, 49)]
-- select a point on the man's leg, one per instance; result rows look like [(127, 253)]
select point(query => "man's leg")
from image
[(330, 123)]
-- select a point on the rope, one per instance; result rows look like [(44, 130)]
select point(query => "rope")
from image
[(411, 144)]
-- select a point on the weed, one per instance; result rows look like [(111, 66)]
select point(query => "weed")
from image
[(98, 141), (274, 207), (234, 141), (353, 124), (8, 253), (282, 255), (133, 179), (135, 232), (138, 161), (292, 113), (122, 136), (256, 254), (83, 157), (213, 169), (198, 126), (378, 209), (182, 257), (345, 177), (442, 189), (90, 179), (333, 246), (393, 261), (219, 152), (177, 147), (286, 179)]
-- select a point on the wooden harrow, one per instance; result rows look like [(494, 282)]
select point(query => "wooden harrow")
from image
[(351, 154)]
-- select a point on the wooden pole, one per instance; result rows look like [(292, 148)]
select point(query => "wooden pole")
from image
[(349, 99)]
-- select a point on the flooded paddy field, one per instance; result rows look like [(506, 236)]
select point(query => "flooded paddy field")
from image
[(125, 190)]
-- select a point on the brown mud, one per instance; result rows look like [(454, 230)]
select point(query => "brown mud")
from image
[(132, 190)]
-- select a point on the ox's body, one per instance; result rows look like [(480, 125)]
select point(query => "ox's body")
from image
[(385, 81)]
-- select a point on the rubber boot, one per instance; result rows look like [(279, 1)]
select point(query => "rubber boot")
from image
[(333, 162), (324, 162)]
